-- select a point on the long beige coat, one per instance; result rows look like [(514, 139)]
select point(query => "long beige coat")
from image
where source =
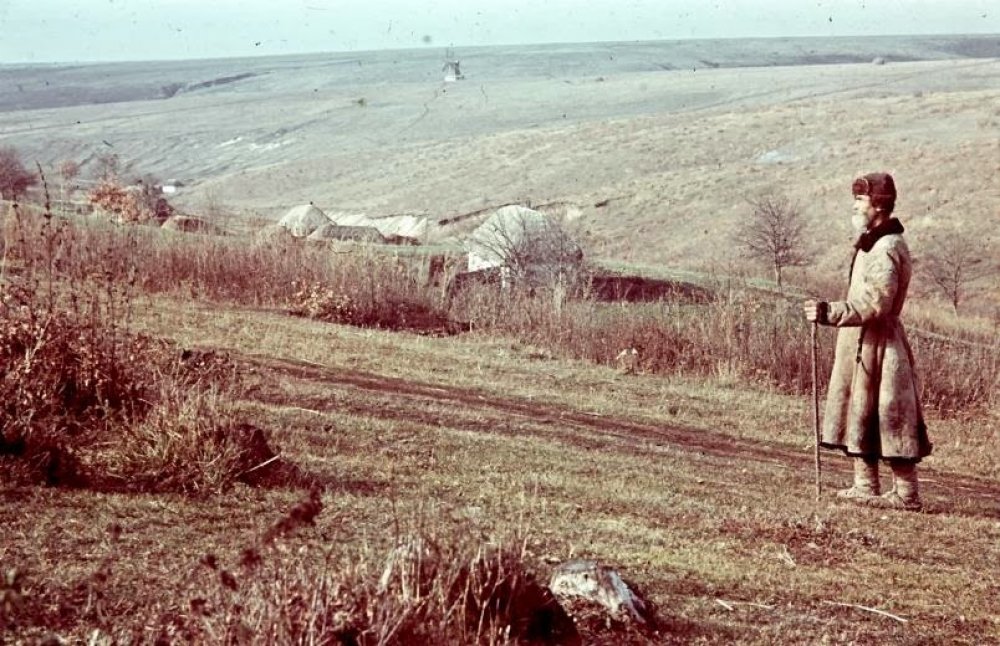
[(873, 404)]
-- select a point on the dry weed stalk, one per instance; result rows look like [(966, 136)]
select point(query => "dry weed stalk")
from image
[(83, 398), (456, 591)]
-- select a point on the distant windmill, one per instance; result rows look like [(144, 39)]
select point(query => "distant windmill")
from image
[(451, 69)]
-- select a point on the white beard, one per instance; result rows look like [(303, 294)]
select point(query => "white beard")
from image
[(859, 223)]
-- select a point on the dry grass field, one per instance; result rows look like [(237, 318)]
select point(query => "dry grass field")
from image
[(694, 479), (219, 439)]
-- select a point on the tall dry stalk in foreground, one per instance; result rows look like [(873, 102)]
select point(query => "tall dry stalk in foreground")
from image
[(440, 588), (64, 348), (74, 377)]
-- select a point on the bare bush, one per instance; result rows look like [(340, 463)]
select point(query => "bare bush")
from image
[(383, 298), (14, 177), (955, 263), (107, 167), (64, 376), (532, 248), (67, 364), (773, 234), (215, 211), (69, 170)]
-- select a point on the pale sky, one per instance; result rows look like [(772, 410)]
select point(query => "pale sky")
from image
[(105, 30)]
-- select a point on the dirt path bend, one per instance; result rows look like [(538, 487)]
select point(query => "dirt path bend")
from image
[(330, 389)]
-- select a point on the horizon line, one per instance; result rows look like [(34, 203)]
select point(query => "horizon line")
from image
[(431, 46)]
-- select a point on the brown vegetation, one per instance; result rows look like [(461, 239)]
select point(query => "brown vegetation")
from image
[(87, 401), (130, 205), (96, 316), (14, 177), (773, 233), (954, 263)]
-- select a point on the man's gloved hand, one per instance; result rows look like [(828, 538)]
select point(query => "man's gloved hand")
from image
[(816, 311)]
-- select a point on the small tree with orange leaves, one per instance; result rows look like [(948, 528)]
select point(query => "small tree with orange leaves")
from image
[(128, 205)]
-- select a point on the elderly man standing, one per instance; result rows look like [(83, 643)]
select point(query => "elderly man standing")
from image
[(873, 407)]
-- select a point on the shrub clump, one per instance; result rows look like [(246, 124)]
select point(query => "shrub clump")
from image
[(85, 403), (60, 378), (389, 310), (15, 179), (188, 442), (132, 205), (458, 593)]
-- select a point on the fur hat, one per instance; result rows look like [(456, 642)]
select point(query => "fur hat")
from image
[(880, 187)]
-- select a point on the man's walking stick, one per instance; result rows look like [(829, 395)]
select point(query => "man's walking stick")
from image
[(816, 406)]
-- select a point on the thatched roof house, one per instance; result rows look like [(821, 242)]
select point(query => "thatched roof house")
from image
[(332, 231), (303, 219), (398, 226), (520, 239)]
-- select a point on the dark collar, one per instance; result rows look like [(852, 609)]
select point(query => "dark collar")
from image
[(868, 239)]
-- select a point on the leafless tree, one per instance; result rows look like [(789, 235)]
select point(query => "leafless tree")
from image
[(954, 264), (108, 165), (773, 233), (215, 210), (14, 177), (69, 170), (532, 249)]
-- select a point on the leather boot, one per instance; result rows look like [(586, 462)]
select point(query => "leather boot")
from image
[(905, 492), (866, 486)]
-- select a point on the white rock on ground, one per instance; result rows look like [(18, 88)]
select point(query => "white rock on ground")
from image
[(591, 581)]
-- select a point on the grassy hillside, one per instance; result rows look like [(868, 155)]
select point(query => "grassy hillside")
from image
[(693, 477), (660, 161)]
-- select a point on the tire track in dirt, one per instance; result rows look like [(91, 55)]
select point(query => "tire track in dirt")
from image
[(400, 400), (561, 421)]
